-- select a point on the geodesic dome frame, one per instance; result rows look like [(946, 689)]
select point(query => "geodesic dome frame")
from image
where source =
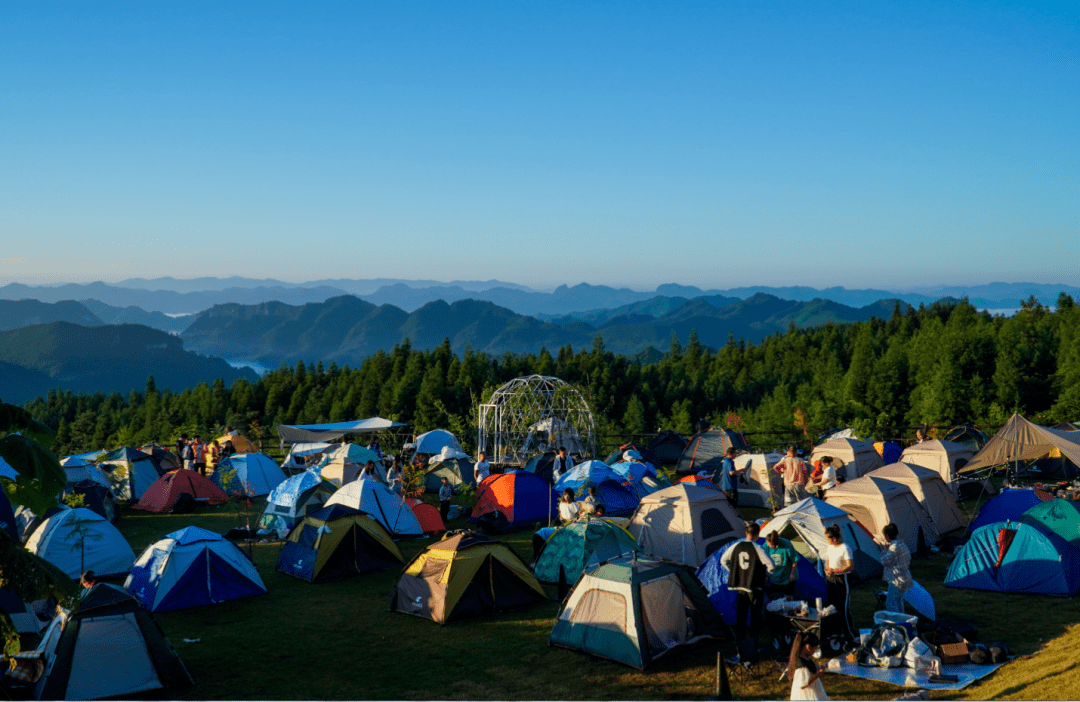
[(532, 413)]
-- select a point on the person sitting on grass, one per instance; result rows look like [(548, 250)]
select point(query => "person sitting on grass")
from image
[(568, 508)]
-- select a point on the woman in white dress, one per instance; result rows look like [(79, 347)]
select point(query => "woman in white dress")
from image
[(803, 671)]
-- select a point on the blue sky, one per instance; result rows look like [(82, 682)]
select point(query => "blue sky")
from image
[(884, 144)]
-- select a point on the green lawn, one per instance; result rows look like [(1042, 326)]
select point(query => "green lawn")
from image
[(337, 640)]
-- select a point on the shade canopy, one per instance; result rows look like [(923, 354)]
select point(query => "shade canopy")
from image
[(328, 432), (1021, 440)]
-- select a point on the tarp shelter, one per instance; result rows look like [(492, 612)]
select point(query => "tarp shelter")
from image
[(96, 497), (760, 482), (240, 444), (685, 524), (875, 502), (967, 435), (339, 471), (164, 460), (382, 504), (521, 497), (579, 545), (635, 453), (256, 474), (947, 458), (455, 466), (296, 433), (168, 490), (78, 540), (889, 451), (931, 492), (465, 574), (1021, 440), (706, 450), (192, 567), (1018, 558), (714, 578), (337, 541), (300, 455), (287, 504), (1059, 516), (668, 446), (108, 646), (618, 498), (130, 472), (428, 515), (851, 458), (635, 611), (1009, 505), (804, 524)]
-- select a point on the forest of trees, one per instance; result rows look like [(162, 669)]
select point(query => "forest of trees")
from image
[(940, 365)]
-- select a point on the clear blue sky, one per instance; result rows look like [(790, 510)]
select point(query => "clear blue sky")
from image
[(628, 143)]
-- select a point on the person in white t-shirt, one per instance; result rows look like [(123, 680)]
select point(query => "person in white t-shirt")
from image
[(568, 508), (482, 468), (839, 564), (828, 476)]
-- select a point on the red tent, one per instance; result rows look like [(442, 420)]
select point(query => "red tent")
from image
[(163, 494), (428, 516)]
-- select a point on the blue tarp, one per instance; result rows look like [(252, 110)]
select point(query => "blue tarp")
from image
[(1036, 562), (714, 577), (1010, 505)]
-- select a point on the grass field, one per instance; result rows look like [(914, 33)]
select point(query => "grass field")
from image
[(338, 640)]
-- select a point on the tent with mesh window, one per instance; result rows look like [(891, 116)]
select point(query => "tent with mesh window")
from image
[(1016, 557), (580, 544), (636, 611), (335, 542), (705, 451), (685, 523)]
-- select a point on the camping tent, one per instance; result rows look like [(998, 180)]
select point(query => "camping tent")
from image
[(240, 444), (96, 497), (967, 435), (340, 471), (705, 451), (303, 454), (130, 472), (108, 646), (302, 493), (1009, 505), (685, 523), (635, 453), (931, 492), (668, 446), (336, 541), (78, 540), (20, 613), (889, 451), (642, 477), (579, 545), (384, 506), (463, 575), (255, 475), (77, 469), (851, 458), (760, 482), (433, 442), (163, 459), (166, 494), (455, 466), (1059, 516), (521, 497), (189, 568), (428, 515), (542, 465), (947, 458), (1021, 440), (1016, 557), (698, 481), (635, 611), (618, 498), (714, 577), (875, 502), (353, 453), (804, 524)]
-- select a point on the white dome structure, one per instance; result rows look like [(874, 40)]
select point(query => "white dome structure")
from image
[(535, 413)]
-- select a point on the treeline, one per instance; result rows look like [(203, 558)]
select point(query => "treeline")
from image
[(939, 366)]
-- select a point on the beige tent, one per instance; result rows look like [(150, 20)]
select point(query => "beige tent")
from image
[(1021, 440), (874, 502), (340, 471), (685, 523), (931, 492), (946, 458), (760, 481), (804, 524), (851, 458)]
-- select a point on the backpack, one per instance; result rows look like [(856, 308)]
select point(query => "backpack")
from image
[(885, 648)]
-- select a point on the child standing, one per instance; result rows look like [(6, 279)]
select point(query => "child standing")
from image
[(446, 493)]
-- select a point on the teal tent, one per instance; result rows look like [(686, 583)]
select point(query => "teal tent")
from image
[(1059, 516), (579, 544), (1016, 557)]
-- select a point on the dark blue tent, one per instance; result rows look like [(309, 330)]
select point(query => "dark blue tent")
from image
[(7, 517), (714, 577), (1035, 561), (1009, 505)]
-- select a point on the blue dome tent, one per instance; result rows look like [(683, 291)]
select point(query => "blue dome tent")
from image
[(1010, 505), (256, 473), (618, 498), (1016, 557)]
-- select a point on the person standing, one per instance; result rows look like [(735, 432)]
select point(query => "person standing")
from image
[(793, 469), (803, 671), (748, 569), (215, 453), (729, 477), (839, 564), (181, 444), (561, 464), (897, 561), (785, 559), (482, 468), (199, 449), (446, 494), (187, 454), (828, 477)]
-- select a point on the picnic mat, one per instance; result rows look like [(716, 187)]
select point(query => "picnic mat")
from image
[(905, 677)]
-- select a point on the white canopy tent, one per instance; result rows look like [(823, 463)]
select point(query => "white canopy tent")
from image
[(296, 433)]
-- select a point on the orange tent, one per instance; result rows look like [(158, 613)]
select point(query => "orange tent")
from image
[(428, 516), (519, 496), (165, 492)]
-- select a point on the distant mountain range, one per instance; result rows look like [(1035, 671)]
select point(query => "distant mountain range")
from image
[(104, 358), (346, 329), (88, 313), (584, 301)]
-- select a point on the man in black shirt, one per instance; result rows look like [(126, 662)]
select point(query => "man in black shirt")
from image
[(748, 569)]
